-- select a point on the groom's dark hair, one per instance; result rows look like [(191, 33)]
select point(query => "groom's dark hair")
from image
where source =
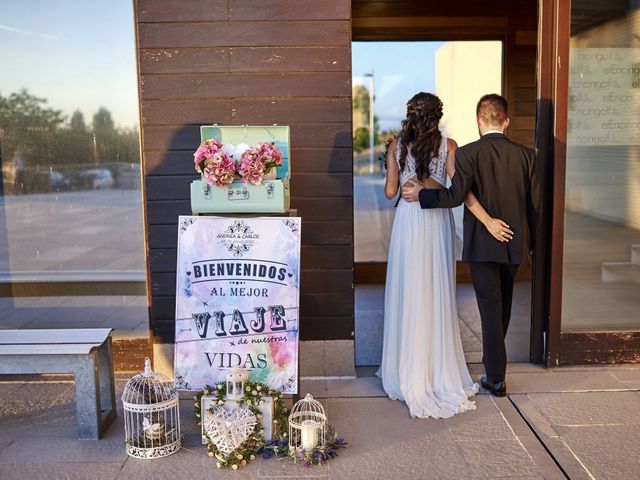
[(492, 109)]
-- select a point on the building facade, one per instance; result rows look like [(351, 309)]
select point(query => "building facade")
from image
[(569, 70)]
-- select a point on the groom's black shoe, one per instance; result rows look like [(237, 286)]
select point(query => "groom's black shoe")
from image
[(497, 389)]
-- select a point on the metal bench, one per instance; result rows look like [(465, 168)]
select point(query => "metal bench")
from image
[(84, 352)]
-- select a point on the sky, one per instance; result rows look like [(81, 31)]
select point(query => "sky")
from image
[(400, 69), (78, 54)]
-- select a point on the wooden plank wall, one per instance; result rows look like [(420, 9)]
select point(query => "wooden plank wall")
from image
[(239, 62)]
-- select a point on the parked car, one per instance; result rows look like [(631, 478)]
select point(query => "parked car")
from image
[(58, 181), (96, 179), (43, 181)]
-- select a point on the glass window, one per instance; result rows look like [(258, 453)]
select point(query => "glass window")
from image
[(390, 71), (602, 218), (71, 203), (385, 76)]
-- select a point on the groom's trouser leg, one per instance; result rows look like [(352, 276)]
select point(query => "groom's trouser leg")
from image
[(507, 278), (487, 284)]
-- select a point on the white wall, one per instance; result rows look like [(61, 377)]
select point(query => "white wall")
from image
[(464, 72)]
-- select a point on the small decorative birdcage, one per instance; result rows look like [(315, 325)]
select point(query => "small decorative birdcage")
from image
[(151, 415), (307, 425), (236, 379)]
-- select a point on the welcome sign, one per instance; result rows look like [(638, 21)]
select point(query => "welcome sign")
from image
[(237, 295)]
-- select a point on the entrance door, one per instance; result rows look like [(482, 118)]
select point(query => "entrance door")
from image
[(450, 69), (398, 50)]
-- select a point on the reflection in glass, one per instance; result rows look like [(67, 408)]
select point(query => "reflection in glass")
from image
[(70, 198), (448, 69), (601, 287), (390, 70)]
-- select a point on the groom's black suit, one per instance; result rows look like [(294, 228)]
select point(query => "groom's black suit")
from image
[(502, 175)]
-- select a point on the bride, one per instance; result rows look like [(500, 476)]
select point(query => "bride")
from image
[(422, 357)]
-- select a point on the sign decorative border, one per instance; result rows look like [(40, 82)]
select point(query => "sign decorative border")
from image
[(237, 300)]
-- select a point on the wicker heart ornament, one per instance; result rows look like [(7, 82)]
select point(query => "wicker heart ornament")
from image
[(228, 429)]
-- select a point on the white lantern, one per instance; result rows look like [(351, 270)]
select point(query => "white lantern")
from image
[(151, 415), (307, 425), (235, 383)]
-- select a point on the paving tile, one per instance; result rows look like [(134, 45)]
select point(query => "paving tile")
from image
[(57, 471), (23, 405), (309, 476), (471, 345), (473, 357), (312, 358), (339, 358), (557, 380), (5, 441), (194, 464), (376, 422), (588, 408), (417, 458), (498, 458), (544, 463), (609, 452), (512, 367), (518, 345), (485, 423), (358, 387), (52, 449), (529, 410), (283, 468), (317, 388), (536, 477), (60, 421), (511, 416), (627, 376)]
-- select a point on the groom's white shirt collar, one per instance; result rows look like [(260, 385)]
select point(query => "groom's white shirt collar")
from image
[(492, 131)]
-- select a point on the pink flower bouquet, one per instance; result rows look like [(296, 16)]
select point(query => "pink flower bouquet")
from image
[(215, 165), (257, 161)]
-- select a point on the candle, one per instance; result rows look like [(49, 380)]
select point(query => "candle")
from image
[(309, 435)]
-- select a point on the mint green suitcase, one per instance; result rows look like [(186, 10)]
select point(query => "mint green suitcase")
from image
[(273, 196)]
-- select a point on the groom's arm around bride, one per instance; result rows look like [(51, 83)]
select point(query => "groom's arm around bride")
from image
[(502, 175)]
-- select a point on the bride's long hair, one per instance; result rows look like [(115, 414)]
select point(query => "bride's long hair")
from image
[(420, 132)]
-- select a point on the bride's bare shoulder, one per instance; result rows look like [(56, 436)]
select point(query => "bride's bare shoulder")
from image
[(451, 144)]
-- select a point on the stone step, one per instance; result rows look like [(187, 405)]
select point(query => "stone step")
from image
[(635, 253), (621, 272)]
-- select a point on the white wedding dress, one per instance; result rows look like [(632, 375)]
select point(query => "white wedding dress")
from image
[(422, 356)]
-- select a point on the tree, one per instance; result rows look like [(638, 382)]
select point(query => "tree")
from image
[(361, 139), (22, 111), (102, 121), (44, 142), (360, 112), (28, 125), (77, 122)]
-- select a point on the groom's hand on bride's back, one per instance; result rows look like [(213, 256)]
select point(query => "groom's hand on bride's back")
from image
[(411, 191)]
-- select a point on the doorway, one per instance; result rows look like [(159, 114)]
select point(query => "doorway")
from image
[(385, 76)]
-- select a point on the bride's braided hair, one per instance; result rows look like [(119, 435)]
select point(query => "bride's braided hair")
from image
[(420, 131)]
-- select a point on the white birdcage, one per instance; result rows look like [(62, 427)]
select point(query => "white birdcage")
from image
[(307, 425), (151, 415)]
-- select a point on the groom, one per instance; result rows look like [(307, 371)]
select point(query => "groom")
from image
[(502, 175)]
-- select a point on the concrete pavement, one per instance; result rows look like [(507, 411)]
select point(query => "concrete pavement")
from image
[(581, 422)]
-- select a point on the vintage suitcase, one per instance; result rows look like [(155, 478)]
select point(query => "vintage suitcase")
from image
[(273, 196)]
